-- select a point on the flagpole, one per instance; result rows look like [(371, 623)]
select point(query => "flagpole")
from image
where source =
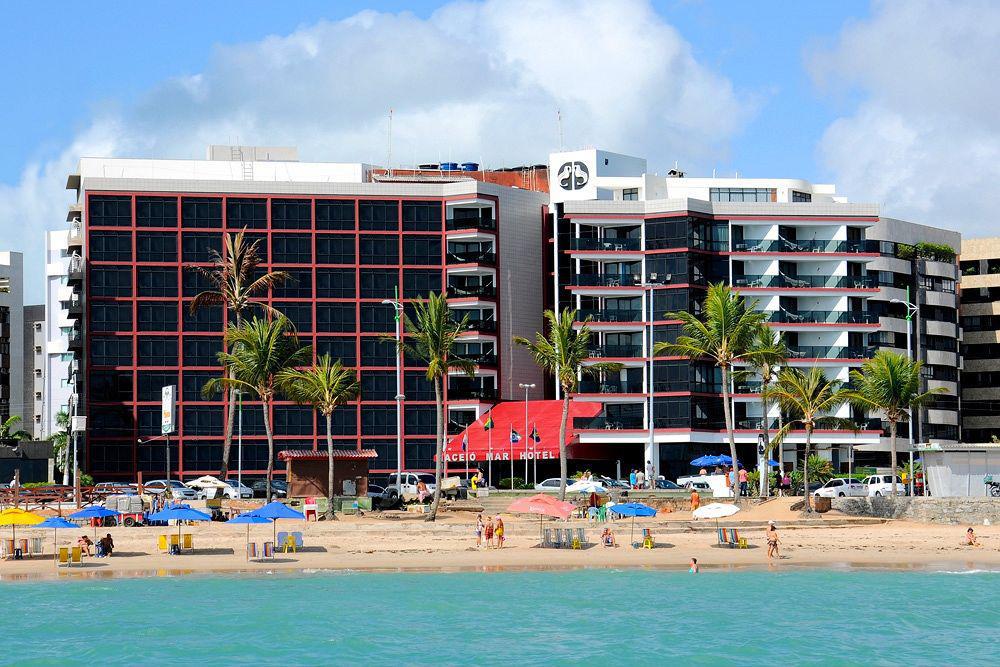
[(489, 461), (511, 438)]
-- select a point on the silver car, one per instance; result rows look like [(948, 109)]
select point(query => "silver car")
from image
[(178, 490)]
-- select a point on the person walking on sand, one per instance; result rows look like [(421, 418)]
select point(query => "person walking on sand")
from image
[(632, 478), (695, 499), (499, 532), (743, 477), (771, 534), (479, 531), (489, 532)]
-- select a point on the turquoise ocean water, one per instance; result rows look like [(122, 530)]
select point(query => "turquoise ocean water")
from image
[(624, 617)]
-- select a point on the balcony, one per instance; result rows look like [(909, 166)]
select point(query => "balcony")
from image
[(829, 352), (74, 306), (821, 317), (609, 315), (470, 291), (605, 280), (75, 239), (486, 326), (607, 424), (747, 387), (805, 282), (481, 359), (615, 351), (75, 339), (605, 244), (479, 222), (785, 245), (609, 387), (472, 257), (755, 424), (472, 394), (75, 269)]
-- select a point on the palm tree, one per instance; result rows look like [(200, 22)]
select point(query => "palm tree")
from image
[(726, 337), (10, 435), (562, 353), (259, 350), (236, 289), (430, 337), (889, 383), (807, 398), (772, 355), (60, 444), (325, 386)]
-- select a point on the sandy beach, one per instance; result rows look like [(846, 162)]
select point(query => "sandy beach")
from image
[(400, 541)]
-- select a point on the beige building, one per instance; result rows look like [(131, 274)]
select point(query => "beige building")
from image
[(980, 296)]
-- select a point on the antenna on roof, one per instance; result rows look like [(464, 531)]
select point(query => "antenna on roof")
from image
[(388, 158)]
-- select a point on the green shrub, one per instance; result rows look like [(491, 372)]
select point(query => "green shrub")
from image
[(518, 483), (938, 252), (34, 485)]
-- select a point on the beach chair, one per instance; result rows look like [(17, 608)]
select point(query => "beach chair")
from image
[(252, 551), (161, 543), (298, 539), (722, 535), (556, 538), (63, 557), (289, 543), (175, 541), (76, 556), (567, 539), (547, 537), (602, 514), (36, 546), (7, 548), (268, 549), (282, 537), (188, 541), (581, 535), (647, 539)]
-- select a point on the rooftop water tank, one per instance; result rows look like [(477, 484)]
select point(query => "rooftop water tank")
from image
[(470, 166), (449, 166)]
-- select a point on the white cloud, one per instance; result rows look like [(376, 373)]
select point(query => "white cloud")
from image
[(924, 139), (479, 81)]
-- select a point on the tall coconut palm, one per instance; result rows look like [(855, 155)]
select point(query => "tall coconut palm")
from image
[(325, 386), (890, 383), (809, 399), (561, 353), (237, 289), (727, 338), (259, 350), (430, 337), (772, 355)]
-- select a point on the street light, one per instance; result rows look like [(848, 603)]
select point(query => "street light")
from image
[(911, 310), (653, 457), (400, 396), (166, 437), (526, 387)]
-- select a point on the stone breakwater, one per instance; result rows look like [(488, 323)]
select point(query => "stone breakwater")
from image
[(928, 510)]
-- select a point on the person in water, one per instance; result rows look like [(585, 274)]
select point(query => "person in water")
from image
[(694, 566)]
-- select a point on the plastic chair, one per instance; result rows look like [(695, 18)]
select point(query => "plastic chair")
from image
[(581, 535), (161, 543), (298, 539), (252, 551), (281, 538), (556, 538), (722, 535), (547, 537), (76, 556), (602, 513), (268, 549), (647, 539), (175, 541), (289, 543), (743, 543), (567, 537), (188, 541), (63, 557)]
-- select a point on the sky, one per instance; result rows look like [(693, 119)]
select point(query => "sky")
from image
[(894, 101)]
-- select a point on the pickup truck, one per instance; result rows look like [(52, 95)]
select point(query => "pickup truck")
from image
[(407, 490)]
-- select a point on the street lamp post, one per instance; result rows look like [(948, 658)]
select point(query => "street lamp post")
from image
[(168, 491), (239, 444), (400, 396), (652, 456), (526, 387), (911, 310)]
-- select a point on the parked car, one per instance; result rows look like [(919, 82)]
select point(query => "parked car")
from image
[(610, 483), (114, 488), (405, 486), (550, 484), (839, 487), (232, 490), (178, 491), (667, 485), (279, 488), (881, 485), (381, 498)]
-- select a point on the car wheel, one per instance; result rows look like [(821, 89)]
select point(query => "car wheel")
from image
[(878, 494), (129, 521), (841, 494)]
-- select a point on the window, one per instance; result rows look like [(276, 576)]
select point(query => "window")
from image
[(379, 215), (378, 420), (291, 248), (344, 421), (335, 283), (298, 284), (110, 316), (338, 348), (249, 213), (334, 249), (155, 281), (111, 421), (110, 211), (379, 283), (156, 212), (195, 381), (742, 194), (300, 314), (377, 318), (201, 212), (151, 384), (630, 194), (377, 352), (112, 386), (202, 350), (156, 316), (206, 318), (421, 216), (971, 267), (291, 214), (801, 196), (156, 247), (419, 454), (157, 351), (417, 387), (335, 214), (293, 420), (667, 233), (203, 420), (335, 317), (420, 420), (195, 283), (379, 250), (420, 282), (422, 250), (199, 455), (110, 246), (110, 281), (197, 247), (115, 351)]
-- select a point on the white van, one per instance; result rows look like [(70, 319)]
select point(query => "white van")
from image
[(881, 485), (407, 490)]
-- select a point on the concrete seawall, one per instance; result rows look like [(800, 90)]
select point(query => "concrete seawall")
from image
[(927, 510)]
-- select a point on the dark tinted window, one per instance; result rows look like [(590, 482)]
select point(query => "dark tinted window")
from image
[(334, 214), (156, 316), (111, 351), (156, 212), (334, 249), (157, 351), (338, 348), (300, 314), (377, 317), (382, 215), (335, 283), (202, 350), (197, 247), (420, 420), (111, 386), (194, 382), (298, 285), (379, 283), (110, 246), (379, 250), (195, 282), (110, 316), (420, 282), (418, 387), (291, 214), (156, 246), (293, 419), (203, 420), (376, 352), (201, 212), (110, 211), (421, 216), (345, 422), (335, 317), (291, 248), (378, 420), (422, 250), (110, 281), (419, 454), (151, 383), (156, 281), (378, 385), (249, 213)]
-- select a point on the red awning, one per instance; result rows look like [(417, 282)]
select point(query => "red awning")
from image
[(543, 415), (320, 454)]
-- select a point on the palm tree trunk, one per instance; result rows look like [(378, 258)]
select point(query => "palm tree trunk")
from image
[(227, 442), (329, 452), (892, 453), (266, 405), (727, 414), (562, 445), (439, 446), (805, 469)]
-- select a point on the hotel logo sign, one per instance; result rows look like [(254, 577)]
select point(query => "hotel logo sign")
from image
[(573, 175)]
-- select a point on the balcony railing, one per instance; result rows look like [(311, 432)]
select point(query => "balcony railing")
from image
[(821, 317), (610, 315), (625, 351), (472, 393), (802, 282), (471, 223), (454, 427), (471, 290), (747, 387), (785, 245), (829, 352), (606, 244), (480, 359), (480, 325), (607, 424), (472, 257), (609, 387), (605, 279)]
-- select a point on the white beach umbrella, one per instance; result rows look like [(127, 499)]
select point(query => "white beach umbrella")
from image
[(586, 487), (206, 482), (715, 511)]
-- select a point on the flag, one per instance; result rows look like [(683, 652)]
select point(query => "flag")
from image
[(534, 434), (488, 424), (465, 441), (514, 436)]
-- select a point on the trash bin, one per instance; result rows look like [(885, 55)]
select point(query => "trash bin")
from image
[(822, 505)]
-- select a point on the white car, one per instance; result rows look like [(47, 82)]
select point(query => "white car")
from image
[(233, 490), (550, 484), (881, 485), (407, 490), (839, 487), (178, 491)]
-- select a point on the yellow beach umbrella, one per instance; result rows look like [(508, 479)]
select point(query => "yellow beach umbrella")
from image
[(14, 517)]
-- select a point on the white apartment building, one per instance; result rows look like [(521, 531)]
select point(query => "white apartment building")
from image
[(59, 330)]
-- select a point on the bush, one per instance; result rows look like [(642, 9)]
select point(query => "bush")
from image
[(34, 485), (518, 483), (938, 252)]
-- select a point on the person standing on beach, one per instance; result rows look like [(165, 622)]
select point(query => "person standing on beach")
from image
[(640, 480), (695, 499), (489, 532), (479, 531), (632, 478), (743, 481), (650, 474), (499, 532), (771, 534)]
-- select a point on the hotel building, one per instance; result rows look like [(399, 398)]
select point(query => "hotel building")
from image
[(980, 298), (350, 236)]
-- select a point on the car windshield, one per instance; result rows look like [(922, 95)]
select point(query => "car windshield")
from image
[(372, 488), (174, 484), (426, 477)]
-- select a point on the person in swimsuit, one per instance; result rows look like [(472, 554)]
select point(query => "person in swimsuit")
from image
[(489, 533), (693, 569), (695, 499), (970, 539), (608, 538), (499, 532), (771, 534), (479, 531)]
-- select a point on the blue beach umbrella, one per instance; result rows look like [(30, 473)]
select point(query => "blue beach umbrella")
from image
[(55, 523), (179, 513), (274, 511), (633, 510), (94, 512), (772, 463), (250, 520)]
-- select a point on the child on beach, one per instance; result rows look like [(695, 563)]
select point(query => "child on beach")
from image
[(489, 532), (970, 539), (608, 538), (479, 531), (499, 532), (85, 543), (694, 566), (771, 534)]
